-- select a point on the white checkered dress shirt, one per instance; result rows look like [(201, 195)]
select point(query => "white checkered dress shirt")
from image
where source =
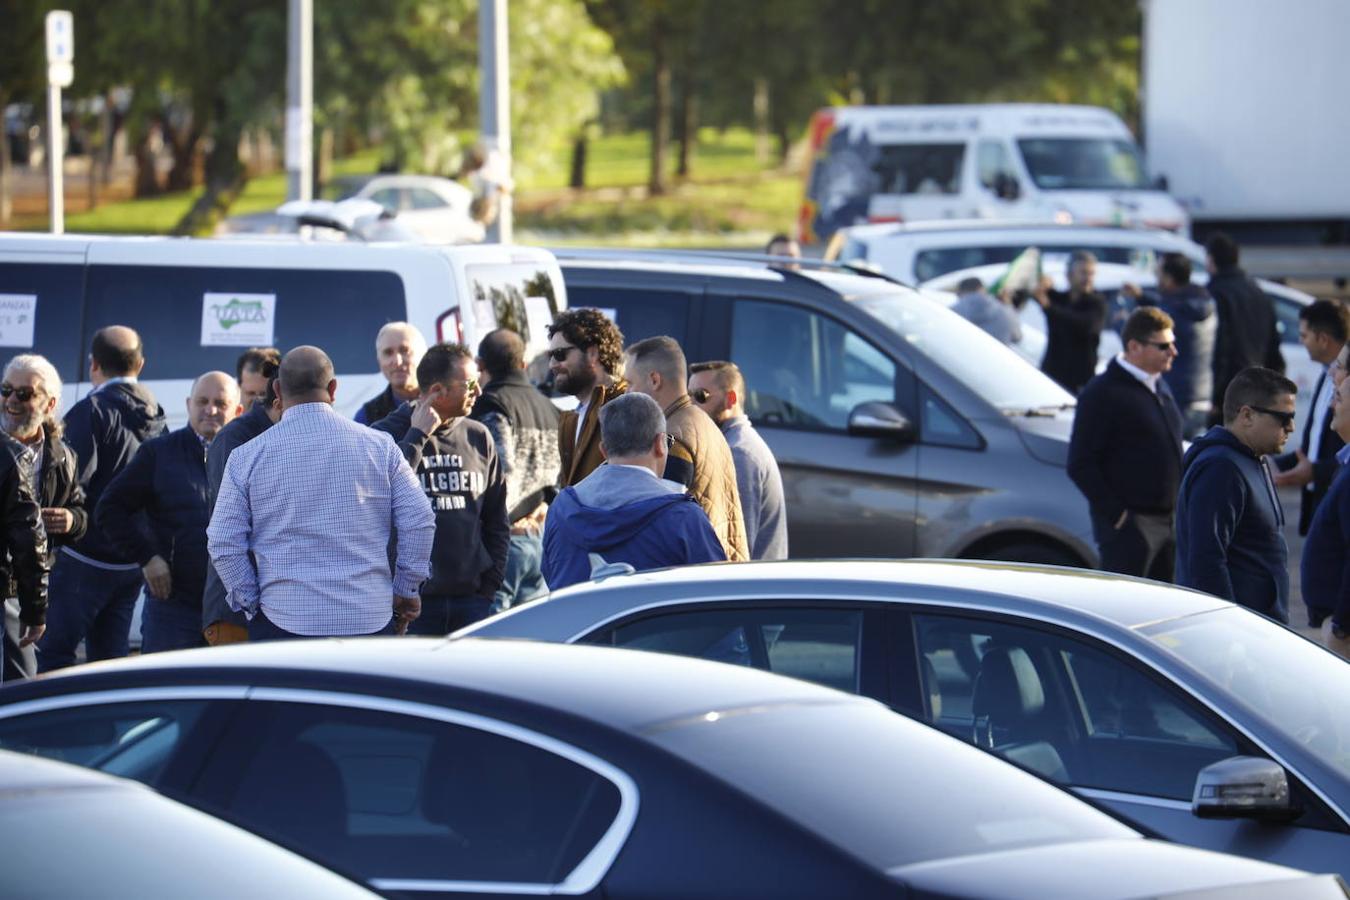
[(302, 525)]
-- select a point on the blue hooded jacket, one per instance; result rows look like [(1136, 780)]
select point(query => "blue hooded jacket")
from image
[(1196, 326), (1230, 527), (628, 516)]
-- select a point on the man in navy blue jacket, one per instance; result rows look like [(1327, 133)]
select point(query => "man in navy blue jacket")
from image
[(1326, 554), (1125, 451), (624, 511), (1230, 527), (155, 512)]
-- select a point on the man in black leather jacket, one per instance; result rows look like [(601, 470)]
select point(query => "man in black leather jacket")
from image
[(29, 396)]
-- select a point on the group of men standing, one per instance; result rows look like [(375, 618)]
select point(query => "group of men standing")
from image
[(269, 516), (1211, 519)]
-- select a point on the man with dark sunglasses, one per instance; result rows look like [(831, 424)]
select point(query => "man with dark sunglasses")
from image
[(586, 360), (1125, 450), (1230, 526)]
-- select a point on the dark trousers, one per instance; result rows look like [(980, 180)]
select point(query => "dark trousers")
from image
[(90, 604), (170, 625), (18, 663), (261, 628), (1145, 545), (442, 615), (524, 578)]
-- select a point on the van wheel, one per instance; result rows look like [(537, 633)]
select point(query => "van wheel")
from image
[(1028, 552)]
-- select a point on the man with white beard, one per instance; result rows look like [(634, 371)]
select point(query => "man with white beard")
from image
[(30, 394)]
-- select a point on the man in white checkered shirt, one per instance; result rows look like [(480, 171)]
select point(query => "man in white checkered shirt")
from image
[(301, 528)]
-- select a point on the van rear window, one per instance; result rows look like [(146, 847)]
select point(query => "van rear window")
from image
[(338, 311)]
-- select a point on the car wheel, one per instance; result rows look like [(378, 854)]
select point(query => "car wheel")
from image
[(1031, 552)]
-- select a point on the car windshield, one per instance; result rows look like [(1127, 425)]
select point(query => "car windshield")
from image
[(985, 365), (1091, 164), (1294, 685)]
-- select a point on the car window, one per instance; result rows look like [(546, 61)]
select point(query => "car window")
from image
[(131, 740), (389, 198), (1064, 708), (38, 303), (639, 314), (820, 645), (1286, 317), (386, 795), (920, 168), (332, 309), (425, 199), (802, 369)]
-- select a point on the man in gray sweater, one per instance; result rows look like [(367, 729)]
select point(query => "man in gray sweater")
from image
[(719, 388)]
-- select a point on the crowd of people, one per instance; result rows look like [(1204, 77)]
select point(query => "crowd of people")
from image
[(459, 490)]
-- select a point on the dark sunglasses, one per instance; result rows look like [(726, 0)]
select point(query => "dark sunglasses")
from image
[(1285, 418), (701, 395), (558, 354), (25, 393), (1164, 346)]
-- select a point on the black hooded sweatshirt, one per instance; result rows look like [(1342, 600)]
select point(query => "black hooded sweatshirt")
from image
[(105, 430), (459, 472)]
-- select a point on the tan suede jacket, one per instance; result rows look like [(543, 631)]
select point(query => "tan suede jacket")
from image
[(714, 482)]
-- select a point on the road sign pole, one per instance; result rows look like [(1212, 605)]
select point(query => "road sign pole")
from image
[(300, 101), (56, 188)]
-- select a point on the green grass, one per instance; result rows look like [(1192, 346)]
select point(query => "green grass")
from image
[(729, 200)]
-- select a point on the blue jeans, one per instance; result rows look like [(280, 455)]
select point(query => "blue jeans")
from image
[(169, 625), (524, 579), (87, 604), (261, 628), (442, 615)]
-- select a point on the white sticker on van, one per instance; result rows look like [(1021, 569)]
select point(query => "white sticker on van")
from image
[(238, 320), (18, 313)]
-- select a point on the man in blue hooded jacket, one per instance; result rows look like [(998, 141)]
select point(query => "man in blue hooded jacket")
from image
[(1230, 527), (624, 511)]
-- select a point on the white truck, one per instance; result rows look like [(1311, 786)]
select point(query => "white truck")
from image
[(1245, 115)]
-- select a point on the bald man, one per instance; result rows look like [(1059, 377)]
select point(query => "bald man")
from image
[(166, 482), (301, 529), (93, 586), (399, 347)]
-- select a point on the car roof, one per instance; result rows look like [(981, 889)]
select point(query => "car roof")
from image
[(1120, 600), (623, 689), (20, 773), (839, 277)]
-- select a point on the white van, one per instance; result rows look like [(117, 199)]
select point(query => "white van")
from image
[(198, 304), (1033, 162)]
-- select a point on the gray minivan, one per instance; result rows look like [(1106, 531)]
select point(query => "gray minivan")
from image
[(900, 428)]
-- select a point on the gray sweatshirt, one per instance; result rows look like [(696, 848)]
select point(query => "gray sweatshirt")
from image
[(761, 490)]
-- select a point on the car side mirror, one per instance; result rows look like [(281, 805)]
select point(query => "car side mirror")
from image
[(877, 419), (1006, 186), (1243, 787)]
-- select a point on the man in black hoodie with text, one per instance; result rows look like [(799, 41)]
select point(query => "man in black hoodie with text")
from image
[(93, 586), (1230, 527), (456, 463)]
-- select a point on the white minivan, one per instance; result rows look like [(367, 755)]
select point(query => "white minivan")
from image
[(198, 304), (1033, 162)]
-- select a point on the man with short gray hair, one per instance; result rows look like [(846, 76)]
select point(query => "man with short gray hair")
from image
[(624, 512)]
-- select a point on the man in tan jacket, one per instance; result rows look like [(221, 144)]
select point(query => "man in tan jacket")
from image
[(585, 355), (700, 458)]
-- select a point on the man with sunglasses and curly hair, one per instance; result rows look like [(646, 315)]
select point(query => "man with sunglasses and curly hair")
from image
[(1230, 526), (586, 359)]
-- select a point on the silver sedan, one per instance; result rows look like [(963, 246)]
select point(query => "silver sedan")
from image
[(1191, 717)]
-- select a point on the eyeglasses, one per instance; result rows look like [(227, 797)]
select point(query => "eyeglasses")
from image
[(24, 393), (1285, 418), (701, 395), (1164, 346), (558, 354)]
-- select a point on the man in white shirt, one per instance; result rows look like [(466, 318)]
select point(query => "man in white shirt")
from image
[(1125, 451), (300, 532), (1323, 327)]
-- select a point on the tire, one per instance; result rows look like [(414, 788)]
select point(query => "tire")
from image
[(1031, 552)]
